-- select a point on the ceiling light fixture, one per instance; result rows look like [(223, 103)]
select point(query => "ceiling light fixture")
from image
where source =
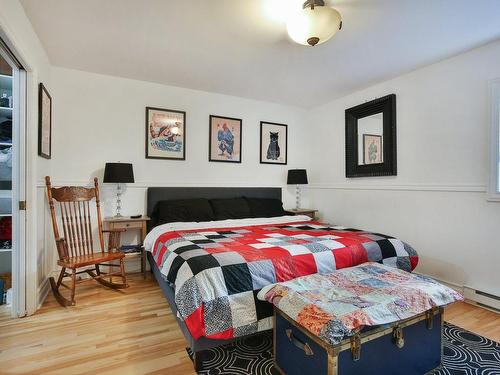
[(314, 24)]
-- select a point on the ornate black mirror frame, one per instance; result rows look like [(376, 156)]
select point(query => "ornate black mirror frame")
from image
[(387, 106)]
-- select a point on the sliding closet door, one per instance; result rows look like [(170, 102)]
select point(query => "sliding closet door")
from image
[(12, 174)]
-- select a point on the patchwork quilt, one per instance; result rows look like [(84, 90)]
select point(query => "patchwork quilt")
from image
[(217, 272), (339, 304)]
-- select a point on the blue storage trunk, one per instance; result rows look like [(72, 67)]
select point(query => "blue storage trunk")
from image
[(408, 347)]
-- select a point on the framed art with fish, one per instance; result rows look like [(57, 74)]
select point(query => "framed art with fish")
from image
[(273, 143), (165, 134)]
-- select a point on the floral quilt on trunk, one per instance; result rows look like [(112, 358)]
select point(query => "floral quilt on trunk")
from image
[(336, 305)]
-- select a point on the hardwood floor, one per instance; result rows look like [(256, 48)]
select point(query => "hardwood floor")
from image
[(129, 331), (475, 319)]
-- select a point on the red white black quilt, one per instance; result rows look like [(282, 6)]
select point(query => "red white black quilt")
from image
[(217, 272)]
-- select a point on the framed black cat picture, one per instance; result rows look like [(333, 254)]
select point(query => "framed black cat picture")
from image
[(273, 143)]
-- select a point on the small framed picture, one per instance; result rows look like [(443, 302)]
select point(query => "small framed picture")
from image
[(44, 122), (273, 143), (165, 134), (372, 149), (224, 143)]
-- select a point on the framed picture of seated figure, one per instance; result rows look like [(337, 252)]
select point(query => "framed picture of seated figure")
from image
[(273, 143), (224, 142), (165, 134), (372, 149)]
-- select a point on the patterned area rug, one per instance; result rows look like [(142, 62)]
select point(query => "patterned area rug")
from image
[(465, 353)]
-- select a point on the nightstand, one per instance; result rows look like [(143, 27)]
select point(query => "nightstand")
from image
[(303, 211), (126, 222)]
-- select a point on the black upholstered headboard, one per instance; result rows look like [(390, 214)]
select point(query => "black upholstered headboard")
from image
[(156, 194)]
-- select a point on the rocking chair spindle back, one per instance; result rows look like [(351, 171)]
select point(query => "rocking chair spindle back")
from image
[(75, 217), (76, 247)]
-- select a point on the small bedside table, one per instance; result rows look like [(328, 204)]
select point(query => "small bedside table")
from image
[(126, 222), (303, 211)]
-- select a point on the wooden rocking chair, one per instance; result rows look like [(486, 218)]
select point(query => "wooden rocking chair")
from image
[(76, 248)]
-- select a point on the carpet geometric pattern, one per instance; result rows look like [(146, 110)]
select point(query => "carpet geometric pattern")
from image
[(465, 353)]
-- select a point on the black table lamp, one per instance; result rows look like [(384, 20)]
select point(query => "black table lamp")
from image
[(297, 177), (118, 173)]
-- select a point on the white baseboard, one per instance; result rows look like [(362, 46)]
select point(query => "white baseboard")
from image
[(482, 299), (42, 292)]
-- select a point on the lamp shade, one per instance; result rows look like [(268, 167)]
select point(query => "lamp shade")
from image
[(118, 173), (314, 25), (297, 177)]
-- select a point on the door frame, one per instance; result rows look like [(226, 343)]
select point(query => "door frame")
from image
[(26, 258), (19, 193)]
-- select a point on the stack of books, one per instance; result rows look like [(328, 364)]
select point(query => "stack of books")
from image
[(131, 248)]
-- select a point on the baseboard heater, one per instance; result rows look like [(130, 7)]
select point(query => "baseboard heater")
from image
[(481, 298)]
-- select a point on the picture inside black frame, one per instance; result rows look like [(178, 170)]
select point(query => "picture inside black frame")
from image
[(224, 142), (165, 134), (370, 144), (273, 143), (44, 122)]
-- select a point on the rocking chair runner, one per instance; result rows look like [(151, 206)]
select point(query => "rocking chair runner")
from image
[(76, 248)]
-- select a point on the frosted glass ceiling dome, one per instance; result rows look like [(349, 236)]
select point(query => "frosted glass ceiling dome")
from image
[(314, 24)]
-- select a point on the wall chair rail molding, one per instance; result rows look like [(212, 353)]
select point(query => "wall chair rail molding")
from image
[(146, 184), (457, 188), (471, 188)]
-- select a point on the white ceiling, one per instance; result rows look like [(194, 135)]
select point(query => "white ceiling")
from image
[(240, 47)]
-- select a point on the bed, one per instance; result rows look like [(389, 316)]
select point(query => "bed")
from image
[(211, 271)]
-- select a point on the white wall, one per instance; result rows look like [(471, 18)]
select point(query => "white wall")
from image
[(99, 119), (437, 203), (18, 32)]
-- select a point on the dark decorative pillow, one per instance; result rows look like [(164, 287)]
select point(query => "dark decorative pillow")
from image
[(186, 210), (265, 207), (232, 208)]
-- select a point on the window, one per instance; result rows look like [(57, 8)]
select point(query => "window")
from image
[(494, 183)]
